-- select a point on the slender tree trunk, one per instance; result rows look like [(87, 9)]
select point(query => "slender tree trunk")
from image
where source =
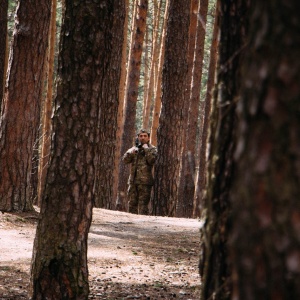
[(188, 169), (109, 110), (21, 105), (154, 59), (266, 183), (88, 55), (157, 95), (145, 66), (202, 171), (214, 266), (131, 96), (115, 204), (121, 195), (171, 118), (3, 45), (184, 205), (46, 118)]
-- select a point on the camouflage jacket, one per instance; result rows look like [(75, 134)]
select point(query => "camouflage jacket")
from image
[(141, 165)]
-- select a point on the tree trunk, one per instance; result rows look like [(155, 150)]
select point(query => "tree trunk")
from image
[(145, 66), (266, 184), (46, 118), (131, 97), (109, 116), (157, 94), (92, 33), (171, 119), (115, 204), (202, 170), (186, 180), (3, 45), (188, 169), (154, 59), (21, 105), (214, 268)]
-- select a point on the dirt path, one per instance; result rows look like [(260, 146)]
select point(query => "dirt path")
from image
[(129, 256)]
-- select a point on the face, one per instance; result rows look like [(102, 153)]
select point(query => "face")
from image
[(143, 138)]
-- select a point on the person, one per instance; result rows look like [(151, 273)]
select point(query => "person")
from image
[(142, 158)]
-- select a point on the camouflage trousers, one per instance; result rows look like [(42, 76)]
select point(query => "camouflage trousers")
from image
[(139, 198)]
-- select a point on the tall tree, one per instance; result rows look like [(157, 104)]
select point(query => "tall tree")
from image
[(202, 169), (171, 118), (134, 69), (115, 204), (265, 244), (153, 63), (92, 34), (186, 178), (189, 152), (21, 104), (157, 89), (47, 107), (3, 44), (109, 123), (214, 268)]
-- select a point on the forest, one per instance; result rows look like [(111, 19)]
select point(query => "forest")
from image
[(217, 85)]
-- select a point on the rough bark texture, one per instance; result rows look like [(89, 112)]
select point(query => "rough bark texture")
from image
[(109, 103), (202, 170), (46, 118), (153, 66), (192, 98), (131, 97), (89, 31), (21, 105), (3, 44), (157, 94), (265, 193), (214, 268), (119, 131), (171, 119)]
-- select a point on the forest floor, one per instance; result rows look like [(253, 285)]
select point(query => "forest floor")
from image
[(129, 256)]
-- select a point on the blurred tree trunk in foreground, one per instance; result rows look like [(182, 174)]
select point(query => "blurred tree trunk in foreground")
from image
[(265, 240), (92, 32), (214, 268)]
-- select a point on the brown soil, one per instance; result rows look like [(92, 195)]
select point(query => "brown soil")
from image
[(130, 256)]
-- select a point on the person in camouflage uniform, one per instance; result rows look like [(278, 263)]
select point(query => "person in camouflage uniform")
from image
[(142, 158)]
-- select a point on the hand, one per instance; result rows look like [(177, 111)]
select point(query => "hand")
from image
[(145, 146), (133, 150)]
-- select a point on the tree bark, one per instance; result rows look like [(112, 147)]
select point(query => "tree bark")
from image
[(202, 170), (265, 192), (46, 118), (131, 97), (188, 172), (21, 105), (157, 94), (171, 118), (92, 33), (115, 204), (214, 266), (153, 63), (3, 45), (186, 178)]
